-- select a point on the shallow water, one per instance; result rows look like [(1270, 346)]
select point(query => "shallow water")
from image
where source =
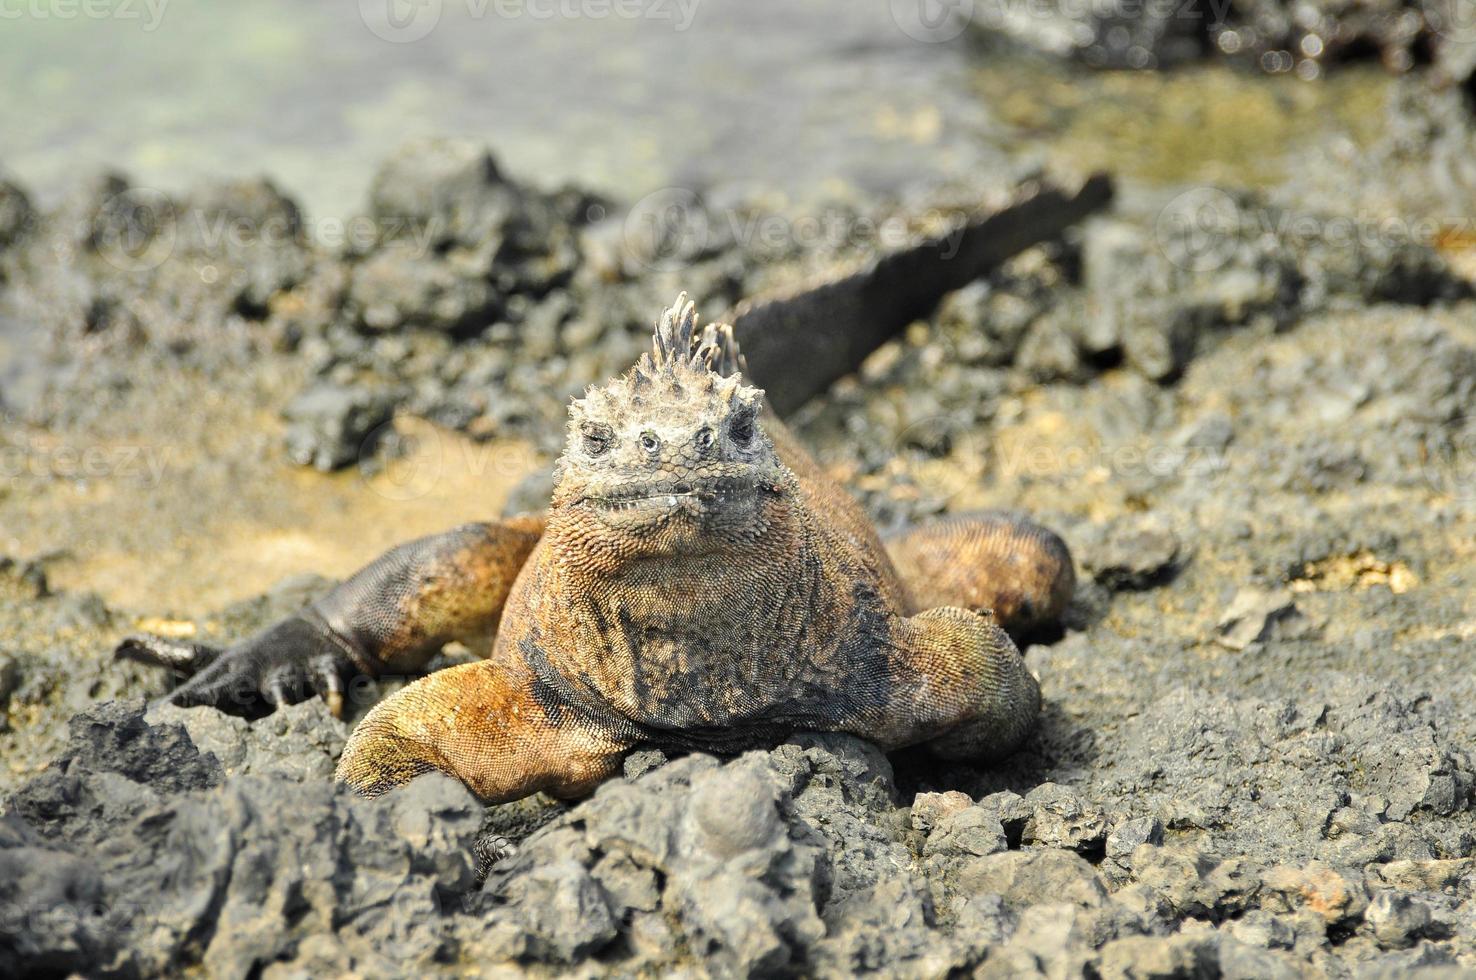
[(626, 96), (794, 95)]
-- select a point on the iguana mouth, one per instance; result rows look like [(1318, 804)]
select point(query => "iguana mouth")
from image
[(668, 495), (636, 506)]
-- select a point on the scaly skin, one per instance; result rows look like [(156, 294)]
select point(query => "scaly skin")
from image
[(697, 582)]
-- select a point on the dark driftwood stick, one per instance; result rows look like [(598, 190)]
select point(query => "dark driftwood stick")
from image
[(798, 345)]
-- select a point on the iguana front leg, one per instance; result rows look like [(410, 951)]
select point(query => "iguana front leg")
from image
[(953, 680), (495, 725), (391, 616)]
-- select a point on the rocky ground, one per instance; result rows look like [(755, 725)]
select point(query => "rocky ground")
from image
[(1251, 415)]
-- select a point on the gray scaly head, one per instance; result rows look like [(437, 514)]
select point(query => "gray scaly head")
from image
[(670, 457)]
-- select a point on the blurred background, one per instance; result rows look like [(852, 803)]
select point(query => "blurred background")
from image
[(285, 284), (298, 281), (625, 97), (306, 279)]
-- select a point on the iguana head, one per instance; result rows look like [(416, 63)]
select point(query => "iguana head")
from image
[(671, 458)]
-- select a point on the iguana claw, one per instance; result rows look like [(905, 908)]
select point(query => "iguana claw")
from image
[(286, 663)]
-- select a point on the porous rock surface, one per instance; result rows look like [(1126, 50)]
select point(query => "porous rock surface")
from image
[(1255, 756)]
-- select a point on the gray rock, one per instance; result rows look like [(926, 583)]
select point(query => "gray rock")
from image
[(16, 213), (1144, 905), (734, 812), (112, 739), (250, 233), (1195, 884), (444, 192), (1431, 876), (1397, 920), (888, 928), (930, 808), (1176, 873), (1424, 960), (1113, 35), (1141, 958), (565, 910), (989, 324), (55, 921), (717, 859), (9, 677), (1048, 352), (1126, 835), (301, 742), (1024, 878), (1010, 809), (271, 862), (1262, 929), (1256, 615), (1138, 300), (1059, 818), (1239, 961), (642, 761), (971, 832), (1137, 555), (330, 426), (843, 789), (187, 864), (1051, 939), (396, 288), (1318, 889)]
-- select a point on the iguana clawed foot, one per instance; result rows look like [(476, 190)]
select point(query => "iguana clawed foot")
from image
[(288, 662)]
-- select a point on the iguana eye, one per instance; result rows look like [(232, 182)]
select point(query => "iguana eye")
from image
[(740, 430), (597, 439)]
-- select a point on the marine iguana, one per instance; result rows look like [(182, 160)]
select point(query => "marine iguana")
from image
[(698, 582)]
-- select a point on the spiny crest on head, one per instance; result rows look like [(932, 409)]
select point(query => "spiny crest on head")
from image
[(677, 348), (682, 361)]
